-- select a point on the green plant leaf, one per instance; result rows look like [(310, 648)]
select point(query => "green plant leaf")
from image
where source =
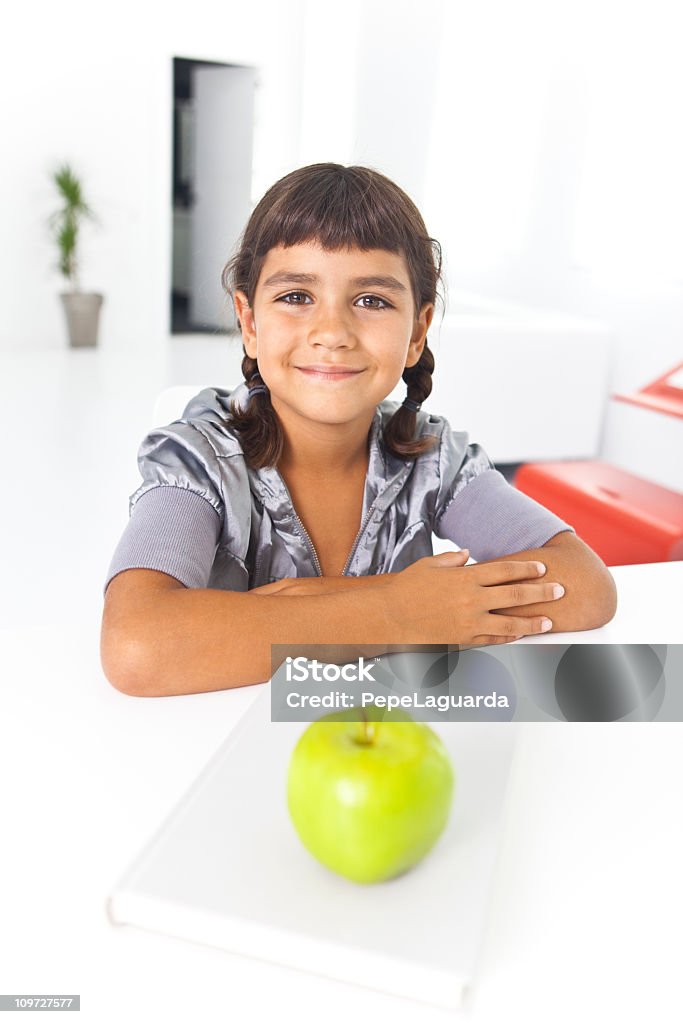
[(65, 222)]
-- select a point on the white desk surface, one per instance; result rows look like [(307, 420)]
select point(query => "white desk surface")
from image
[(587, 899)]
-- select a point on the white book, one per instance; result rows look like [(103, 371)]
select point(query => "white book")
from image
[(227, 869)]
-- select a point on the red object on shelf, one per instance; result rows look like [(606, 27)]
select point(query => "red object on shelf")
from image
[(626, 520), (664, 394)]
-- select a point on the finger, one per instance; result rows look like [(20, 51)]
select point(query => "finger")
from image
[(507, 596), (493, 573), (451, 558), (490, 641), (511, 626)]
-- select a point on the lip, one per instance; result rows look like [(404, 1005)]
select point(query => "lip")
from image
[(329, 371)]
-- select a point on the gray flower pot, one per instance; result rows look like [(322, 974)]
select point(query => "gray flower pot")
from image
[(82, 316)]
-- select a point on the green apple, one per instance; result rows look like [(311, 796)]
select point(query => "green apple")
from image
[(369, 799)]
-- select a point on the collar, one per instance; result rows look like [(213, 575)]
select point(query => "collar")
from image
[(384, 480)]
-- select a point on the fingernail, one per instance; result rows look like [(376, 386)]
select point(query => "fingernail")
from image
[(541, 568), (558, 590), (546, 624)]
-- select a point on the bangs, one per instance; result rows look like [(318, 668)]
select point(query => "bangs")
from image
[(340, 209), (337, 208)]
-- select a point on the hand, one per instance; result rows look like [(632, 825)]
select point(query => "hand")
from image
[(431, 603)]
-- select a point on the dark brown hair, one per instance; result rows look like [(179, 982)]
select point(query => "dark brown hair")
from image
[(338, 207)]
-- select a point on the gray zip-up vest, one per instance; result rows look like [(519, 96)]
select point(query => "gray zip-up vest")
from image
[(207, 519)]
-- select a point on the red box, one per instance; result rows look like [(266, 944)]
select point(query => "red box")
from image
[(626, 520), (664, 395)]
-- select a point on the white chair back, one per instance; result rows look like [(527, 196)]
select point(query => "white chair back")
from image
[(170, 403)]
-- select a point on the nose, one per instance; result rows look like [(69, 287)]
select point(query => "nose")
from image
[(330, 329)]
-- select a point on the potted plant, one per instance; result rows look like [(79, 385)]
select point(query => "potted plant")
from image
[(82, 308)]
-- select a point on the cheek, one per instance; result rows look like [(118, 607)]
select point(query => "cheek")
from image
[(394, 352), (271, 357)]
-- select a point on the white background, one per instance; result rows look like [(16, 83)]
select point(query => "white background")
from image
[(539, 139)]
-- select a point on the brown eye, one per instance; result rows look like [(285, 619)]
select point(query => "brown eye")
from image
[(293, 295), (375, 299)]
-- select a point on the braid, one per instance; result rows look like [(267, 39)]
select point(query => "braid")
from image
[(257, 425), (261, 434), (399, 433), (419, 377)]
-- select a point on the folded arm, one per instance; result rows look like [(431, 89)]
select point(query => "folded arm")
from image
[(160, 638), (590, 598)]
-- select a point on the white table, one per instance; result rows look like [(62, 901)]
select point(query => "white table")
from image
[(588, 895)]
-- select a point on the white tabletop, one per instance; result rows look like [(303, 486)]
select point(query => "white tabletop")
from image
[(588, 892)]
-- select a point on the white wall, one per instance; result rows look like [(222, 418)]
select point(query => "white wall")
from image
[(537, 137), (486, 113), (369, 83), (92, 84), (555, 172)]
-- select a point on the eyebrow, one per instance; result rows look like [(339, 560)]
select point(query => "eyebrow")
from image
[(288, 277)]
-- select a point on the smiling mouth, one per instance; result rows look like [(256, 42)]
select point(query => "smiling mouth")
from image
[(329, 373)]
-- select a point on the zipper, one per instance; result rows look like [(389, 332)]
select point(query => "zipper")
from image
[(353, 548), (358, 537), (364, 523), (310, 544)]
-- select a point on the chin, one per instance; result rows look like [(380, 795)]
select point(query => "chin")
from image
[(330, 411)]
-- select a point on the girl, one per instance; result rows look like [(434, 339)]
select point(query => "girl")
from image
[(299, 508)]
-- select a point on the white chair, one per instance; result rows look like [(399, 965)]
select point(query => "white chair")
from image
[(170, 403)]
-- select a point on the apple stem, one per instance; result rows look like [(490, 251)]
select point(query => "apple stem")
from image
[(368, 733)]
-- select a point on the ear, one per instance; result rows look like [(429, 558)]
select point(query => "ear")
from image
[(419, 335), (245, 315)]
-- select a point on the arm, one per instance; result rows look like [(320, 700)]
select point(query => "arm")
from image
[(488, 515), (590, 598), (161, 638), (310, 586)]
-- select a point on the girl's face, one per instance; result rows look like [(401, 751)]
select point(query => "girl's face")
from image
[(332, 331)]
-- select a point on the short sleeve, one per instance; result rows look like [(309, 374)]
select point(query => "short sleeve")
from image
[(175, 515), (478, 509)]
